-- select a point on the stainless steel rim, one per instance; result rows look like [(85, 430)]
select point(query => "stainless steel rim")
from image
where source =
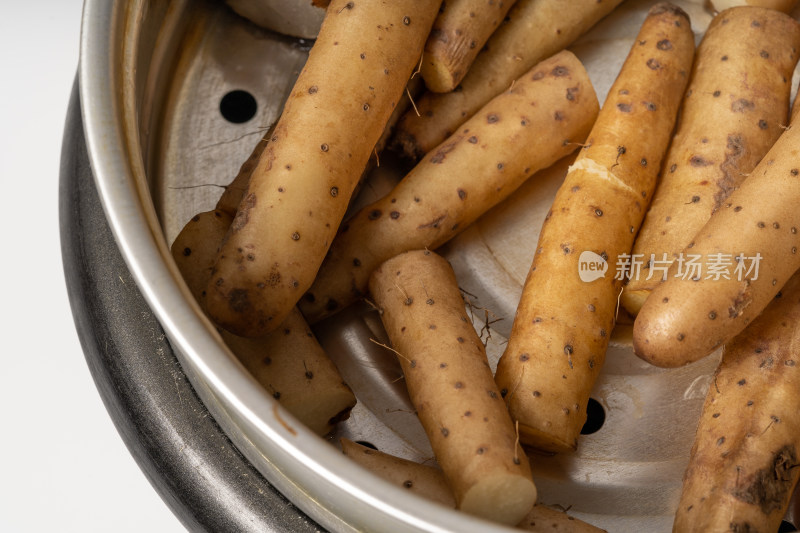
[(310, 472)]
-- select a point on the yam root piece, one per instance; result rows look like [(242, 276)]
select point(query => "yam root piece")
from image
[(735, 108), (429, 483), (288, 362), (355, 75), (557, 345), (535, 30), (451, 386), (781, 5), (541, 119), (423, 480), (751, 242), (743, 465), (291, 364), (458, 34)]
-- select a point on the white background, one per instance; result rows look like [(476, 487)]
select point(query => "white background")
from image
[(63, 466)]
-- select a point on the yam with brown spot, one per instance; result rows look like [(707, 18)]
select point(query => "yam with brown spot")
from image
[(359, 64), (289, 362), (755, 235), (447, 374), (743, 464), (549, 367), (735, 108), (510, 139)]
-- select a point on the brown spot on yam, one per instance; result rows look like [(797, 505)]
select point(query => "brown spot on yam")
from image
[(769, 486), (741, 105), (742, 300), (699, 161), (239, 300), (243, 213), (571, 92), (442, 152), (653, 63)]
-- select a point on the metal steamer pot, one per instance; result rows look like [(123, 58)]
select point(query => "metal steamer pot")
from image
[(171, 96)]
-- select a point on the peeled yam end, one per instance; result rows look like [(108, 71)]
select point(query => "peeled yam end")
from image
[(504, 498)]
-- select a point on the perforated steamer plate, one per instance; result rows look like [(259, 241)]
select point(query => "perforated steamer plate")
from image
[(168, 155)]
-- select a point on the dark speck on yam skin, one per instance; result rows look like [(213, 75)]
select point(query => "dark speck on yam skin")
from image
[(239, 300)]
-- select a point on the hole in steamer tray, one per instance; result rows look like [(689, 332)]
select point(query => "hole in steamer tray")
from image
[(595, 417), (238, 106)]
